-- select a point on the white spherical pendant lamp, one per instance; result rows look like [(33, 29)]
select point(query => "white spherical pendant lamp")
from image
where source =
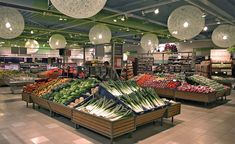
[(149, 42), (11, 23), (100, 34), (32, 46), (186, 22), (79, 8), (224, 36), (57, 41)]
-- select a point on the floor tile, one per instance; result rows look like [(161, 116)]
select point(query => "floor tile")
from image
[(51, 126), (82, 141), (18, 124), (38, 140)]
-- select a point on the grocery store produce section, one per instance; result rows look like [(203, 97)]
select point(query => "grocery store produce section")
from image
[(196, 88), (93, 104), (114, 108)]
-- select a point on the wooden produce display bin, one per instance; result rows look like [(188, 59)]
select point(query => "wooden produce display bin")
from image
[(61, 109), (41, 102), (199, 97), (163, 92), (173, 110), (111, 129), (149, 117), (27, 98)]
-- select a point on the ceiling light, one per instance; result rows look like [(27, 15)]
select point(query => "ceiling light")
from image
[(186, 24), (205, 28), (175, 32), (218, 22), (114, 20), (8, 25), (128, 29), (65, 19), (204, 15), (10, 29), (123, 18), (100, 36), (225, 37), (60, 18), (191, 41), (31, 32), (156, 11)]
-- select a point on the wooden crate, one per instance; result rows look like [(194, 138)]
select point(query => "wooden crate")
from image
[(169, 93), (103, 126), (41, 102), (173, 110), (149, 117), (61, 109), (199, 97)]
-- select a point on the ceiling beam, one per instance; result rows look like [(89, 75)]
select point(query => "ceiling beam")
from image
[(218, 10), (137, 17), (206, 8)]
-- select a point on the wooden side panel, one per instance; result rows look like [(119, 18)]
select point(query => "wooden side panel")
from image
[(61, 109), (41, 102), (173, 110), (149, 117)]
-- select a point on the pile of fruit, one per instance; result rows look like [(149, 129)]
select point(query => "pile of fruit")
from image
[(192, 88), (50, 73), (49, 86), (207, 82), (158, 81), (32, 87), (143, 78), (71, 91)]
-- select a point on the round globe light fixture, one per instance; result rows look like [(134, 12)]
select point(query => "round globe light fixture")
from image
[(32, 46), (100, 34), (224, 36), (11, 23), (79, 8), (186, 22), (149, 42), (57, 41)]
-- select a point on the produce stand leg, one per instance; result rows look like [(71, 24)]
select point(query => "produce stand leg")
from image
[(27, 104), (172, 120), (77, 126), (50, 113), (111, 140), (130, 134)]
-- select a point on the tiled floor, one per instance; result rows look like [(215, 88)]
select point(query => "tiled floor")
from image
[(196, 125)]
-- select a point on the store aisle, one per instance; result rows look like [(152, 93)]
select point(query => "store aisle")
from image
[(195, 125)]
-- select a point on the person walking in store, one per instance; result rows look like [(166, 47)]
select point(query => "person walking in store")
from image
[(110, 73)]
